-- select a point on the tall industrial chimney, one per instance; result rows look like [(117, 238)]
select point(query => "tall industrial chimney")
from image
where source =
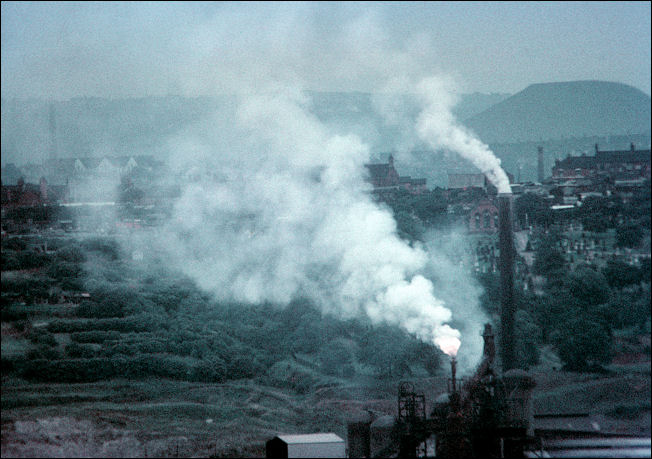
[(540, 176), (53, 152), (507, 306)]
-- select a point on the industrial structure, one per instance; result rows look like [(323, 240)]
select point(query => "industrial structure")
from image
[(488, 415), (506, 265), (307, 445), (540, 168), (385, 179)]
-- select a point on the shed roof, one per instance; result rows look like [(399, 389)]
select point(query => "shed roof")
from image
[(311, 438)]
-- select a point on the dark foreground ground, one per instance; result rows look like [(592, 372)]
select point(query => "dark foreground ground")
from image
[(161, 418)]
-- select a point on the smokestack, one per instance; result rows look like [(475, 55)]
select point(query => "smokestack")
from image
[(540, 164), (507, 307), (454, 374), (52, 129)]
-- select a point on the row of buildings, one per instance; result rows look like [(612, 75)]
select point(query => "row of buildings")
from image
[(76, 180), (84, 180), (573, 179), (385, 179)]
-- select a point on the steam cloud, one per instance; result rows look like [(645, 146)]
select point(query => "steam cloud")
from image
[(282, 210), (437, 126)]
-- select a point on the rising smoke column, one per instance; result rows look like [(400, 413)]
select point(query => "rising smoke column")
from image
[(287, 213), (437, 126)]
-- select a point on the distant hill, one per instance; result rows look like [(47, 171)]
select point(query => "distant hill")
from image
[(561, 110), (92, 126), (472, 104)]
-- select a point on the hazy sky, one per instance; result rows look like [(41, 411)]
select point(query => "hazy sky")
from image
[(61, 50)]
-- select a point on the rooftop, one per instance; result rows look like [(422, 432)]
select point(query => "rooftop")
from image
[(311, 438)]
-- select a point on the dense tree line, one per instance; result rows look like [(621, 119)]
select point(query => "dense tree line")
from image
[(141, 322)]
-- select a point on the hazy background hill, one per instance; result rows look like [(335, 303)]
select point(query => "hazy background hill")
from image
[(562, 117), (91, 126), (570, 109)]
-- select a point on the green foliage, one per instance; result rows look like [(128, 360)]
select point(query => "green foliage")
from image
[(527, 340), (72, 370), (629, 235), (413, 213), (13, 312), (127, 324), (535, 207), (548, 260), (620, 274), (645, 270), (13, 243), (588, 287), (41, 337), (43, 351), (387, 350), (94, 336), (63, 269), (582, 343), (408, 225), (242, 363), (630, 307), (76, 350), (165, 327), (336, 358), (549, 313), (70, 254), (108, 307), (25, 259), (289, 374), (211, 369), (106, 247), (597, 214), (490, 298), (637, 209)]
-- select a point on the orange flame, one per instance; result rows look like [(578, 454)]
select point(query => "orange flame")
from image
[(448, 344)]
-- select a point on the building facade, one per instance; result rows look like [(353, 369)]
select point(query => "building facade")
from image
[(385, 178), (629, 164)]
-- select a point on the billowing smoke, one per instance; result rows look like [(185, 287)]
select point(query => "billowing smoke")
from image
[(437, 126), (282, 210), (449, 254)]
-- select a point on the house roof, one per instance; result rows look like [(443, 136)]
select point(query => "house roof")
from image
[(311, 438), (466, 180), (604, 157), (623, 156), (378, 170)]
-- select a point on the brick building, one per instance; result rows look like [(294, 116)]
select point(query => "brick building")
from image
[(629, 164), (32, 195), (484, 217), (384, 178)]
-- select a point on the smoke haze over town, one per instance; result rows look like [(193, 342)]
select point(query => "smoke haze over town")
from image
[(320, 199)]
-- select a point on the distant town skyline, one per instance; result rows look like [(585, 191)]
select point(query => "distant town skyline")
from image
[(60, 50)]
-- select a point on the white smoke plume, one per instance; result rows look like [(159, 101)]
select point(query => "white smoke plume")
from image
[(282, 210), (437, 126), (450, 253)]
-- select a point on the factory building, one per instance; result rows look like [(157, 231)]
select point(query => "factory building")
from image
[(307, 445), (385, 178), (617, 165), (464, 181)]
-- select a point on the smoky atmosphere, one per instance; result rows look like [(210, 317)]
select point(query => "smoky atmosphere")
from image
[(325, 229)]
